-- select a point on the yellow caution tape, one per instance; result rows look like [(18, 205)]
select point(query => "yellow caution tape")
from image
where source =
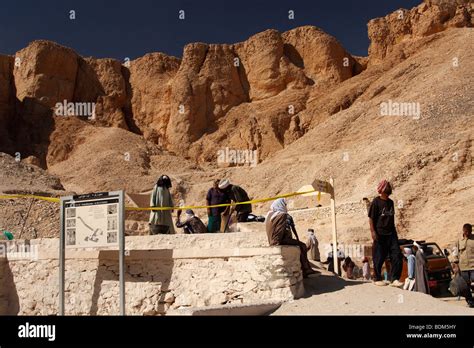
[(41, 198), (261, 200)]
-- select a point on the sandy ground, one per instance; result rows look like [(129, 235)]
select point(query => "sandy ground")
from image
[(330, 295)]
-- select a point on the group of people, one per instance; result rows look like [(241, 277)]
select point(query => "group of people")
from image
[(381, 214), (386, 244), (222, 192), (279, 224), (280, 228)]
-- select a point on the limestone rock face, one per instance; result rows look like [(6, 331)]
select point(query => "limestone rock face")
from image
[(393, 35), (46, 73), (320, 55), (186, 105), (265, 64), (100, 81), (149, 94)]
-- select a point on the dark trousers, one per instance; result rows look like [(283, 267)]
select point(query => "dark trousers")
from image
[(468, 276), (387, 246), (305, 265)]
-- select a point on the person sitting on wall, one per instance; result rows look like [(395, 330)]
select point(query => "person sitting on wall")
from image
[(192, 224), (279, 226)]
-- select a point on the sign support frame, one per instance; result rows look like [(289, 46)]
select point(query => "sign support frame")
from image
[(334, 228), (121, 258)]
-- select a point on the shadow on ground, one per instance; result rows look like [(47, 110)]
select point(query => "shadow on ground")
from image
[(326, 283)]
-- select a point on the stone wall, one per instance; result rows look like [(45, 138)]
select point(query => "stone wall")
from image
[(163, 273)]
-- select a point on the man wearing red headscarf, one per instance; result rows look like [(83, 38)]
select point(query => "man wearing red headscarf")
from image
[(384, 235)]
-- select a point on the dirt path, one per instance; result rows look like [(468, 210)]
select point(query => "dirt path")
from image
[(327, 294)]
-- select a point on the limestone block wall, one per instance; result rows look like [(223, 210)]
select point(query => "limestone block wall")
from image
[(163, 273)]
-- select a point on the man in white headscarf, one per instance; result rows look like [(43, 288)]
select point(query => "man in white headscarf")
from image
[(237, 195), (279, 226), (421, 272)]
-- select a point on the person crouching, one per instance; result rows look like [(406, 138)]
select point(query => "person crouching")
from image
[(192, 224)]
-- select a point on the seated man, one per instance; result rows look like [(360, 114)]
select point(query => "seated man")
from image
[(279, 225), (192, 224)]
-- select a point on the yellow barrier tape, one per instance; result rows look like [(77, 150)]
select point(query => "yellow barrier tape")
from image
[(41, 198), (261, 200)]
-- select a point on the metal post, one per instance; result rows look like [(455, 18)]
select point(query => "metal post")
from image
[(122, 252), (334, 229), (61, 257)]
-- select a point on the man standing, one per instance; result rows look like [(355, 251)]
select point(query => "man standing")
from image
[(215, 196), (237, 194), (466, 254), (313, 246), (411, 264), (421, 271), (384, 235), (161, 221)]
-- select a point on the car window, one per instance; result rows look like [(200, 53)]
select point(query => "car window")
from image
[(432, 250)]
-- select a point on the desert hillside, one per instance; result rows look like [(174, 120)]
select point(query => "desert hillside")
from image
[(301, 101)]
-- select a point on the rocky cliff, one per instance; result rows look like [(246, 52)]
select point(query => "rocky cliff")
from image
[(305, 105)]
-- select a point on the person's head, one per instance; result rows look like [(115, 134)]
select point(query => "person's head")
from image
[(384, 188), (164, 181), (417, 247), (310, 231), (365, 259), (225, 184), (467, 230), (280, 205), (189, 214), (216, 184), (347, 260), (407, 251)]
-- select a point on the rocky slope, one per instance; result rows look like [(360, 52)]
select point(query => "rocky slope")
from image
[(307, 107)]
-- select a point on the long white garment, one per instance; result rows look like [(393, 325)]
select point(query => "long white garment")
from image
[(161, 197)]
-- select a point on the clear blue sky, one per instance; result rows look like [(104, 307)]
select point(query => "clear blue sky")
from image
[(132, 28)]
